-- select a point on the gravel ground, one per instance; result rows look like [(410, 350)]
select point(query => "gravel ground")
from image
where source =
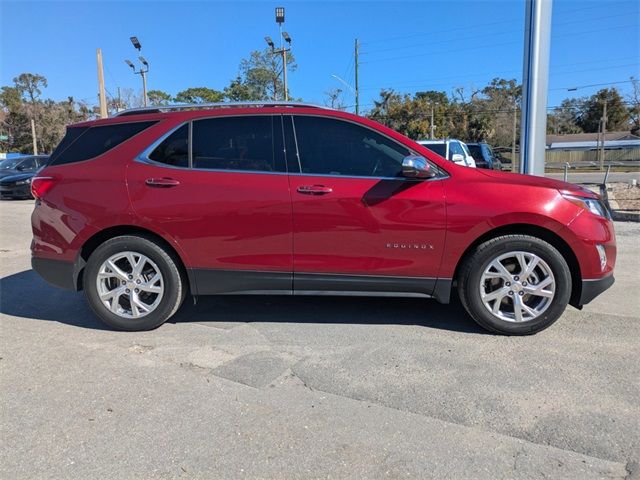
[(305, 388), (627, 197)]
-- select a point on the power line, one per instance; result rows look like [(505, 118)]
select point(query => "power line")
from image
[(592, 85), (571, 34), (493, 73)]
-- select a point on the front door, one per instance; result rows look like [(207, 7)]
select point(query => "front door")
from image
[(227, 204), (358, 224)]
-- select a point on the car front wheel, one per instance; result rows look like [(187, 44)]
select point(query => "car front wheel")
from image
[(132, 283), (515, 284)]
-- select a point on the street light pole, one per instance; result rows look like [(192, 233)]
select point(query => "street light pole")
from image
[(282, 51), (142, 71)]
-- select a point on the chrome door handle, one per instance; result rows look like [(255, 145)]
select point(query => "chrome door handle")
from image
[(314, 189), (164, 182)]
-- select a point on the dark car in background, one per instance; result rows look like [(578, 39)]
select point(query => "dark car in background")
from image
[(16, 174), (484, 156)]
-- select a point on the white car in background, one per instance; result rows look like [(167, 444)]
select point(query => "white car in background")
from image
[(451, 149)]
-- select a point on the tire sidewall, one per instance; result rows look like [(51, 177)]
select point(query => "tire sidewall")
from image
[(170, 275), (546, 252)]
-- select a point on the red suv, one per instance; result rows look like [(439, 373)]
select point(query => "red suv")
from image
[(144, 208)]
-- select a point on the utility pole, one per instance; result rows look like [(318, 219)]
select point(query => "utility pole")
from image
[(603, 122), (357, 63), (33, 136), (513, 140), (433, 127), (101, 90)]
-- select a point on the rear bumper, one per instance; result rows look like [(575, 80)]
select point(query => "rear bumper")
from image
[(592, 288), (57, 272)]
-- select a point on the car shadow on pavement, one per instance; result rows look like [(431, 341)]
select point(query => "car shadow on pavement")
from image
[(26, 295)]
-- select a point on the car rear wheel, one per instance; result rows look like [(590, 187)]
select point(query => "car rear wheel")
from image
[(132, 283), (515, 284)]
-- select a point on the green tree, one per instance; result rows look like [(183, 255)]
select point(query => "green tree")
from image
[(261, 75), (158, 97), (563, 120), (199, 95), (29, 84), (617, 112)]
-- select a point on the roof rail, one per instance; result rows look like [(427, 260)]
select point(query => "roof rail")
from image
[(200, 106)]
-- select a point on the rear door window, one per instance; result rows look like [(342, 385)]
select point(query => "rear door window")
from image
[(238, 143), (85, 143), (439, 148)]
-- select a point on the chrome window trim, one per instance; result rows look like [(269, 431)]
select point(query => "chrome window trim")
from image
[(143, 157)]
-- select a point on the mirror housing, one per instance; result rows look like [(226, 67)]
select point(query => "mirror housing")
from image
[(458, 158), (415, 166)]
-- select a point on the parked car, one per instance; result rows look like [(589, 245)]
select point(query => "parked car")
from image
[(483, 154), (141, 209), (24, 164), (451, 149), (18, 185)]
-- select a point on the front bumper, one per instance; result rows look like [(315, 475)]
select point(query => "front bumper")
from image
[(15, 191), (592, 288)]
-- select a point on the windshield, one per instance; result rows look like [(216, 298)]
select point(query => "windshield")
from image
[(10, 163), (465, 148), (438, 148)]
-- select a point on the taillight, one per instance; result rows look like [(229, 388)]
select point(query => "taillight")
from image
[(41, 185)]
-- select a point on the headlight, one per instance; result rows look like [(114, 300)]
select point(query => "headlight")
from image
[(595, 206), (24, 182)]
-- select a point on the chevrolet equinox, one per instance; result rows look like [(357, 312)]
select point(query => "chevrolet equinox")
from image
[(143, 208)]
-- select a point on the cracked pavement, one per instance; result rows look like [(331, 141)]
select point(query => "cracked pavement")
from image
[(302, 387)]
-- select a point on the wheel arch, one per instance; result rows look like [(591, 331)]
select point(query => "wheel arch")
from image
[(98, 238), (543, 234)]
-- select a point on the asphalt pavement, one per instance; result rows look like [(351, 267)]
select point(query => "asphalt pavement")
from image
[(305, 388)]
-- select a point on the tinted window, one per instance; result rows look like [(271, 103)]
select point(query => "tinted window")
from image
[(439, 148), (335, 147), (476, 152), (174, 150), (237, 143), (85, 143), (27, 165), (455, 147)]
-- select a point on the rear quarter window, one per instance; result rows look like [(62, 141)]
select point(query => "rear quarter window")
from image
[(83, 143)]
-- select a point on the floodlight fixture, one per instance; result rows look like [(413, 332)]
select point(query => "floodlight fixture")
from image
[(136, 43)]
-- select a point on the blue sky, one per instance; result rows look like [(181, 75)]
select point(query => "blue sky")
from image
[(408, 46)]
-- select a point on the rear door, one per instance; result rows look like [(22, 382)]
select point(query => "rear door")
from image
[(358, 224), (219, 188)]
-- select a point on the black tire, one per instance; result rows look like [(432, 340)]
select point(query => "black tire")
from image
[(175, 285), (470, 275)]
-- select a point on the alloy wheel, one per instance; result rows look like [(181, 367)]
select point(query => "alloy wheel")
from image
[(517, 286), (130, 284)]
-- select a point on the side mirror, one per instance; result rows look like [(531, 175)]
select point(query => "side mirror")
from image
[(458, 158), (415, 166)]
